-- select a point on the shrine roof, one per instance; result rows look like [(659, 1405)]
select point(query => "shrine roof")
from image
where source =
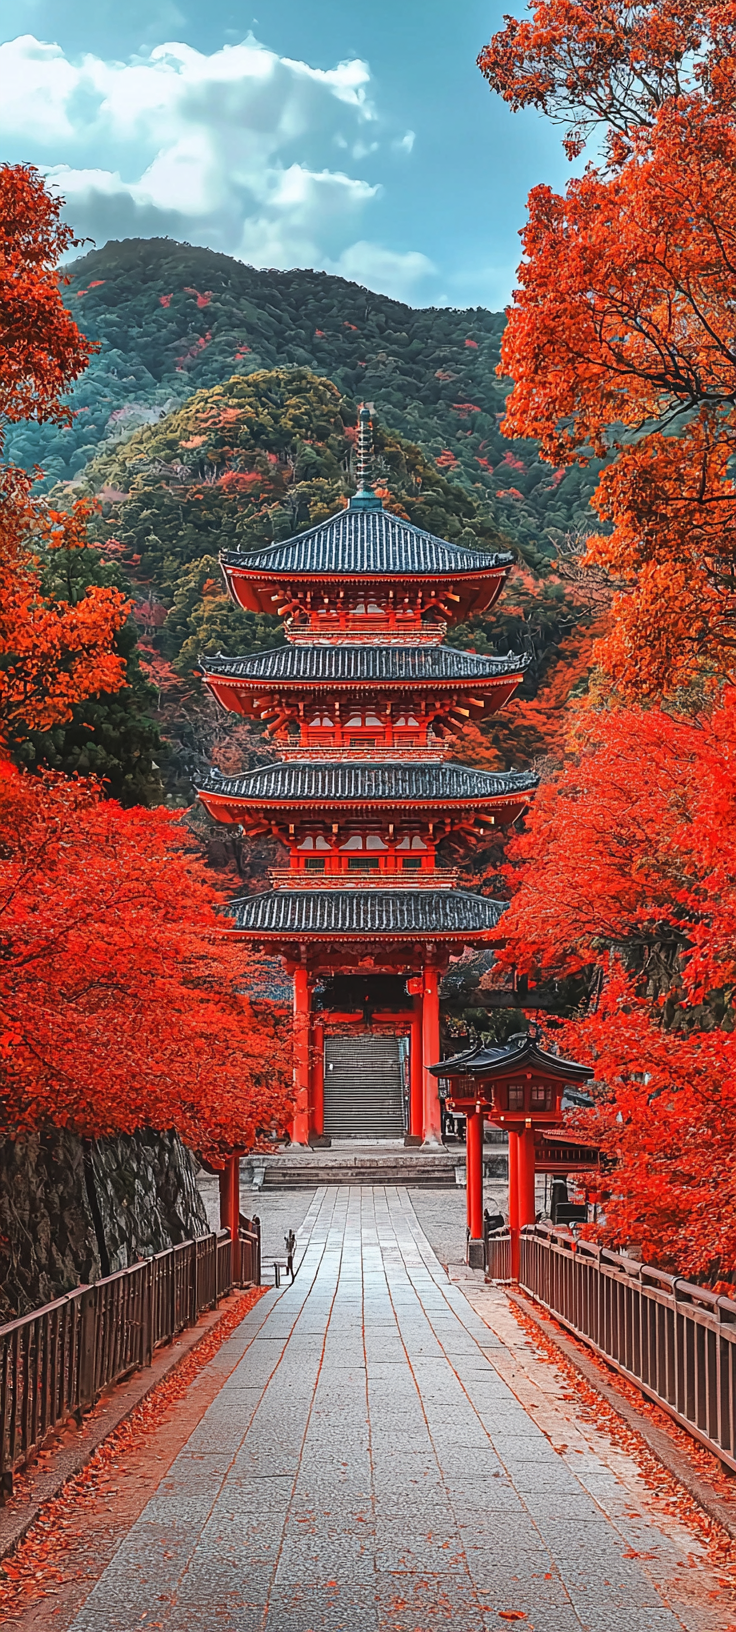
[(366, 912), (345, 663), (358, 542), (520, 1052), (297, 780)]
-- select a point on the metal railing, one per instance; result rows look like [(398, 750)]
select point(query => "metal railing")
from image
[(57, 1361), (674, 1340)]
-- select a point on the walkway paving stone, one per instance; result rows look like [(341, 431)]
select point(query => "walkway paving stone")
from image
[(372, 1464)]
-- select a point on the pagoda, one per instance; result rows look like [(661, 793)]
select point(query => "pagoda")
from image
[(363, 704)]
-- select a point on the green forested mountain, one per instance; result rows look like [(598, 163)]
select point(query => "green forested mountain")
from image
[(172, 319), (220, 411), (255, 459)]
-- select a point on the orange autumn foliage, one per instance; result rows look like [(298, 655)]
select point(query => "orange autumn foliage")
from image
[(665, 1115), (41, 349), (624, 313), (124, 1002), (626, 868), (53, 654)]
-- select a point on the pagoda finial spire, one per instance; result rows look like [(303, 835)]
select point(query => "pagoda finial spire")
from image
[(365, 498)]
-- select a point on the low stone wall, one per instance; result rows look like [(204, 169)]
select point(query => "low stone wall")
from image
[(72, 1210)]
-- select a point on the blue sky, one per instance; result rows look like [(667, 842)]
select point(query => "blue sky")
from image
[(357, 138)]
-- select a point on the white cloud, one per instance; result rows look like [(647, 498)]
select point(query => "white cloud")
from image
[(231, 149), (385, 270), (404, 144)]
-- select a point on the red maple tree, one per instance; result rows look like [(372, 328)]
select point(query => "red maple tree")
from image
[(53, 653), (123, 997), (41, 349), (624, 874), (624, 312)]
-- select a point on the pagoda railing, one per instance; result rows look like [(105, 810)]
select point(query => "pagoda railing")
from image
[(432, 753), (56, 1361), (380, 634), (290, 878), (674, 1340)]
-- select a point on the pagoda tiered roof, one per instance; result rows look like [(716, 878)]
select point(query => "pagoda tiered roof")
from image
[(296, 783), (362, 700), (359, 544), (400, 914), (346, 665)]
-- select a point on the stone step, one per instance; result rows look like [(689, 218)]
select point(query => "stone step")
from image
[(307, 1169)]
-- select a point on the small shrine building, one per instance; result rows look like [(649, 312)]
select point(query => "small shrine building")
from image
[(519, 1086)]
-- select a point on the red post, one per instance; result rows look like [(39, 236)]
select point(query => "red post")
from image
[(318, 1079), (474, 1170), (514, 1201), (300, 1125), (432, 1119), (527, 1202), (416, 1072), (230, 1197)]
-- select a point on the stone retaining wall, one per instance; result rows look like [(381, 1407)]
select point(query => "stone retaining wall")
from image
[(73, 1210)]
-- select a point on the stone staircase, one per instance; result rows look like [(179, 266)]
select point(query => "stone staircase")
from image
[(349, 1161)]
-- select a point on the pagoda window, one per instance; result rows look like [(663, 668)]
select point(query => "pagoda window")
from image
[(359, 721), (360, 841), (516, 1097), (407, 722), (315, 864), (411, 864), (363, 864), (411, 844), (310, 843), (541, 1097), (323, 722)]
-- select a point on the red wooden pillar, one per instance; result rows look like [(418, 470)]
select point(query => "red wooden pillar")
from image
[(432, 1119), (527, 1202), (416, 1072), (318, 1079), (514, 1201), (230, 1210), (300, 1125), (474, 1171)]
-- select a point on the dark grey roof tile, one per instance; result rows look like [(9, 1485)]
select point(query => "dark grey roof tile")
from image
[(359, 542), (343, 779), (363, 663), (348, 911)]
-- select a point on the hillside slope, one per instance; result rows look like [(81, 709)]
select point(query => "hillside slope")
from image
[(172, 319), (258, 458)]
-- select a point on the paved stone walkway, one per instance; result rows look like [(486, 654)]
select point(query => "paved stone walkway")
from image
[(369, 1464)]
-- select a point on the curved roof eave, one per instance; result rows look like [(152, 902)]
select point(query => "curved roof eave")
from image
[(384, 783), (355, 914), (349, 664), (374, 542)]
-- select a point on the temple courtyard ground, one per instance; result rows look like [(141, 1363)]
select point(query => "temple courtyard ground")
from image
[(381, 1445)]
